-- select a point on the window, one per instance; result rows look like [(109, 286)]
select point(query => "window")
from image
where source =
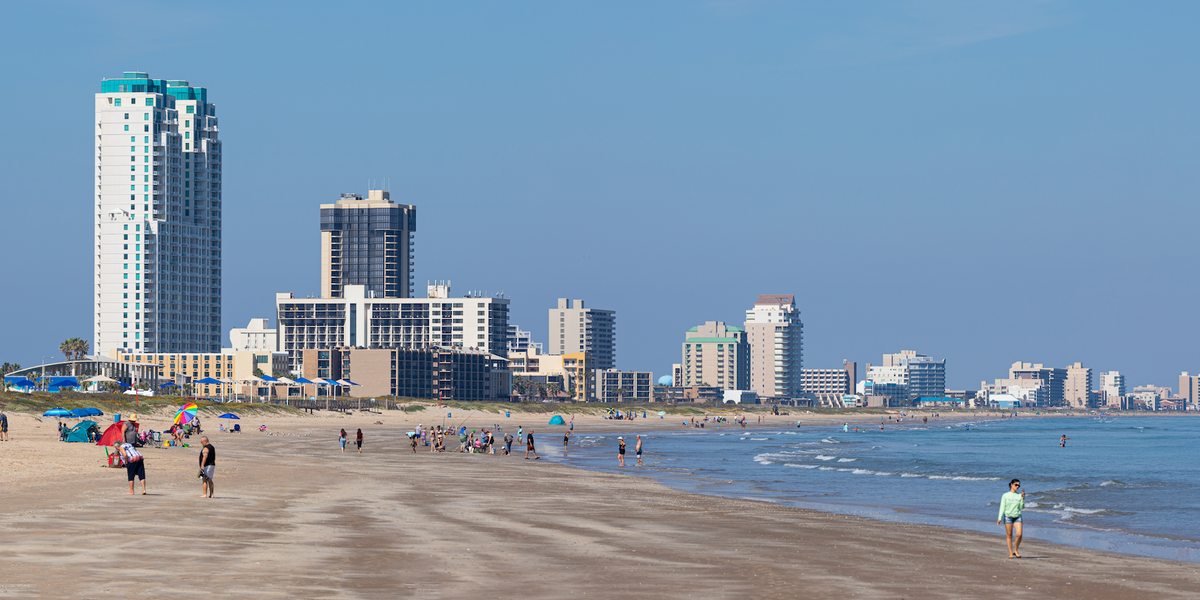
[(126, 128), (147, 118), (149, 101), (191, 110), (126, 116)]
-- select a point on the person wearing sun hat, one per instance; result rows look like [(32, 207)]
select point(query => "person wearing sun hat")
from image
[(620, 451), (130, 432)]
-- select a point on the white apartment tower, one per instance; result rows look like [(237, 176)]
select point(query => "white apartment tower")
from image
[(574, 328), (158, 241), (776, 338)]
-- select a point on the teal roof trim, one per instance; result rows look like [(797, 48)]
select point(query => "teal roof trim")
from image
[(721, 340)]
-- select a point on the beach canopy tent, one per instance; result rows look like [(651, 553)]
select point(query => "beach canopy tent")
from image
[(557, 420), (17, 381), (302, 380), (57, 412), (333, 382), (169, 384), (60, 382), (100, 379), (114, 434), (268, 378), (79, 433), (229, 416), (208, 381)]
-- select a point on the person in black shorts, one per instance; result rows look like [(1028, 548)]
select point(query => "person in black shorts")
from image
[(566, 440), (620, 451), (508, 440), (529, 446), (358, 441), (135, 465)]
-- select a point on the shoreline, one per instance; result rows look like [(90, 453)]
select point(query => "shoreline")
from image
[(294, 517)]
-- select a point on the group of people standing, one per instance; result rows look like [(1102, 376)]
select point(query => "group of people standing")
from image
[(135, 461)]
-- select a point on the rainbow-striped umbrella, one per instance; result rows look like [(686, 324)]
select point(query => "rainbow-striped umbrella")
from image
[(186, 413)]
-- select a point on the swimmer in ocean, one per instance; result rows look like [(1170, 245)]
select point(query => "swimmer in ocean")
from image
[(1062, 442)]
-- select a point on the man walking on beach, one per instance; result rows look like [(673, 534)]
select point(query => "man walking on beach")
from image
[(529, 446), (638, 451), (3, 427), (208, 465), (566, 440)]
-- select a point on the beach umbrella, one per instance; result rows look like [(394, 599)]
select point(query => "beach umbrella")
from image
[(169, 384), (302, 380), (100, 379), (268, 378), (662, 412), (94, 412), (208, 381), (80, 413), (229, 416), (286, 380), (57, 412), (186, 413)]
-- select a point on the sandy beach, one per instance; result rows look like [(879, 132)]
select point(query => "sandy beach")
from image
[(296, 518)]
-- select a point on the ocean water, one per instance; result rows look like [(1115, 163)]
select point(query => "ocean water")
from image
[(1124, 484)]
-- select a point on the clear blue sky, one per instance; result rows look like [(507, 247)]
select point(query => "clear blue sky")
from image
[(982, 182)]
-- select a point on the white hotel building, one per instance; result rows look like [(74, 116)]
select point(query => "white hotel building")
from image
[(158, 217), (358, 320)]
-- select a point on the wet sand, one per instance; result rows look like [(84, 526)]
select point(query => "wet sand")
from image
[(296, 518)]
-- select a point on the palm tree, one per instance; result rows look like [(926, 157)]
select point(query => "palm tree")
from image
[(554, 389), (82, 347), (67, 348), (620, 392)]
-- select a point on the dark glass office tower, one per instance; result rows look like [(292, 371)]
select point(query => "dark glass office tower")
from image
[(367, 242)]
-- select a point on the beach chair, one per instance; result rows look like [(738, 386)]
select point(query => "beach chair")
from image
[(237, 427)]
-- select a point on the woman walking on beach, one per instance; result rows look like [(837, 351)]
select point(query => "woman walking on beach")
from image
[(1011, 505), (358, 441), (620, 451), (342, 440)]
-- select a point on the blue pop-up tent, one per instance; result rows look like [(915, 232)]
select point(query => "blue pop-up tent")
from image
[(557, 420)]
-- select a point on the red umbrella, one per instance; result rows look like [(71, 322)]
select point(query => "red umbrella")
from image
[(115, 434)]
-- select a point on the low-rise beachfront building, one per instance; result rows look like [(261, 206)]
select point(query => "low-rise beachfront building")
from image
[(425, 373), (580, 369), (254, 336), (232, 368), (623, 386), (359, 321), (830, 381)]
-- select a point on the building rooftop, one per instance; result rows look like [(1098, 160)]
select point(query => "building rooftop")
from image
[(775, 299)]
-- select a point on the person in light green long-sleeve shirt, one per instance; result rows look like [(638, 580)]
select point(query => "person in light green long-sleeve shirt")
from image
[(1011, 505)]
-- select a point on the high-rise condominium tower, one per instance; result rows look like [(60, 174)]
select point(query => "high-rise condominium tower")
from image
[(158, 217), (367, 242), (574, 328), (776, 338)]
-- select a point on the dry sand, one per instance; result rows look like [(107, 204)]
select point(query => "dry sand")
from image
[(296, 518)]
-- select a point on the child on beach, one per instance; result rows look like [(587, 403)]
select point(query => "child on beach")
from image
[(342, 440)]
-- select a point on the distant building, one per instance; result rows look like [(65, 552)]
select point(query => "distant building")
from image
[(520, 341), (676, 375), (1189, 388), (229, 367), (254, 336), (739, 397), (580, 369), (532, 362), (623, 386), (776, 337), (1032, 381), (926, 377), (574, 328), (830, 381), (359, 320), (426, 373), (1112, 384), (715, 354), (367, 242), (1077, 386)]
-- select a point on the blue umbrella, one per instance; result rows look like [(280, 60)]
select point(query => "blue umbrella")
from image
[(169, 384), (94, 412), (208, 381), (302, 380), (268, 378), (57, 412), (229, 416), (79, 413)]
